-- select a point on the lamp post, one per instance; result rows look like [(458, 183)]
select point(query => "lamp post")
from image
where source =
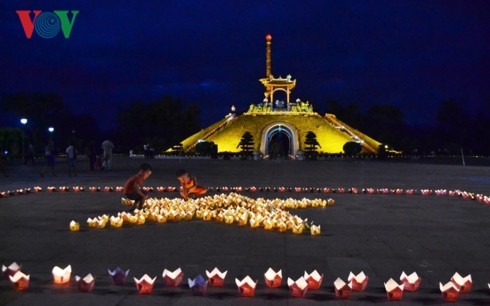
[(24, 122), (51, 130)]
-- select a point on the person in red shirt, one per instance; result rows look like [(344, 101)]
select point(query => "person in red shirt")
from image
[(133, 187), (189, 187)]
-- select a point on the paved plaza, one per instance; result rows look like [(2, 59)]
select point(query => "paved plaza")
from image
[(379, 234)]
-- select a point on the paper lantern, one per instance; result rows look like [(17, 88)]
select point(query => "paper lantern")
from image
[(410, 282), (394, 291), (450, 291), (101, 222), (315, 230), (61, 276), (298, 288), (74, 226), (268, 224), (118, 276), (198, 285), (359, 282), (246, 286), (298, 228), (92, 223), (11, 269), (144, 285), (273, 279), (464, 284), (314, 280), (216, 278), (116, 221), (85, 284), (342, 289), (20, 281), (127, 202), (173, 279)]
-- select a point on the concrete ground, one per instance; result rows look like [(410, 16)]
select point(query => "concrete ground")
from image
[(381, 235)]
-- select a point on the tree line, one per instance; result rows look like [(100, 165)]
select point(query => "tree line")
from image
[(453, 128), (160, 123)]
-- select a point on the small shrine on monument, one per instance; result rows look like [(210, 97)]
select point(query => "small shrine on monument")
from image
[(279, 126)]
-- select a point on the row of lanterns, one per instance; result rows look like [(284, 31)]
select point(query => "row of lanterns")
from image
[(231, 208), (237, 189), (246, 287)]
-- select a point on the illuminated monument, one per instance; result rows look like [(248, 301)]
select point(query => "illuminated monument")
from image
[(279, 125)]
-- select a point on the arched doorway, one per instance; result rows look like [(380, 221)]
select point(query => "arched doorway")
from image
[(279, 146), (279, 141)]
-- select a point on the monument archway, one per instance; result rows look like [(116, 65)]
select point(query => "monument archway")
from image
[(279, 140)]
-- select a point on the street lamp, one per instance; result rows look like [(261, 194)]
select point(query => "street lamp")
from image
[(50, 130), (24, 122)]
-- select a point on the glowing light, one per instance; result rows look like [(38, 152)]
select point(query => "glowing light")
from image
[(464, 284), (144, 285), (272, 278), (198, 285), (410, 282), (173, 279), (359, 282), (450, 291), (342, 289), (216, 278), (74, 226), (61, 276), (246, 286), (394, 291), (314, 280), (85, 284), (20, 281), (298, 288), (118, 276)]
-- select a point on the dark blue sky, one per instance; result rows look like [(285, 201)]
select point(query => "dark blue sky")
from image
[(413, 54)]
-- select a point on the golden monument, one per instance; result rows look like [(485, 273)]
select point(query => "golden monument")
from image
[(280, 125)]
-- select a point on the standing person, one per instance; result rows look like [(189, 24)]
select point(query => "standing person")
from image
[(29, 155), (91, 154), (2, 166), (133, 187), (71, 155), (107, 148), (49, 156), (189, 187)]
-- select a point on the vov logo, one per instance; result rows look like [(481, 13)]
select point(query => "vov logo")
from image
[(47, 24)]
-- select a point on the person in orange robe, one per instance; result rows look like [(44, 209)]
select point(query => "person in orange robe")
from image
[(189, 187)]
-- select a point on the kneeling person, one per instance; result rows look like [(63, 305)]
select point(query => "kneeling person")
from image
[(189, 185), (133, 188)]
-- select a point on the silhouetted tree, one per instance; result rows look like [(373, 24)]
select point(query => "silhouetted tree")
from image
[(311, 144), (349, 113), (352, 148), (385, 123), (161, 123), (45, 110), (246, 143), (454, 126)]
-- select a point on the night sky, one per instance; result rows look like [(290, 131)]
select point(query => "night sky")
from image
[(412, 54)]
